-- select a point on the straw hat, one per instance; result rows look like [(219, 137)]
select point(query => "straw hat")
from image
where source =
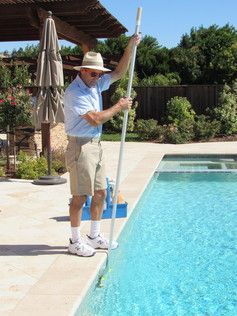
[(92, 60)]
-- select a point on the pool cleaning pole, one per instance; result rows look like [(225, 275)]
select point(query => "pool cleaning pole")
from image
[(125, 120)]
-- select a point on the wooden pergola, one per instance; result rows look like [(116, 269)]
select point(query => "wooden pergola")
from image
[(78, 21)]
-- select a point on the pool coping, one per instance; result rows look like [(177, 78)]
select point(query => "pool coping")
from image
[(54, 290), (205, 156)]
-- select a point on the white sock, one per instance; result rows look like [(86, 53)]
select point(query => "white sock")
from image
[(76, 236), (95, 229)]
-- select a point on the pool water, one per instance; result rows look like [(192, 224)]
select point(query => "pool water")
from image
[(177, 253)]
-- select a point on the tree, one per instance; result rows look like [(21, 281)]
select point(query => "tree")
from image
[(113, 46), (30, 51), (185, 63), (207, 55), (67, 50), (147, 56), (151, 58)]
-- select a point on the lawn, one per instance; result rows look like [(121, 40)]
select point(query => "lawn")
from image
[(115, 137), (3, 161)]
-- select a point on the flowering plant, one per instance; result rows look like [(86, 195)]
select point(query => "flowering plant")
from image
[(15, 108)]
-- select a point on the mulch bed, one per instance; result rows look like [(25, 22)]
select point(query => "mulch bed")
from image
[(230, 138)]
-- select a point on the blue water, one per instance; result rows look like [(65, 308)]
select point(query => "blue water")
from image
[(177, 254)]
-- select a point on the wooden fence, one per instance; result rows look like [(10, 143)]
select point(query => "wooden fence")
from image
[(152, 100)]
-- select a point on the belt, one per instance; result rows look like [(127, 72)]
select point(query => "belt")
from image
[(84, 140)]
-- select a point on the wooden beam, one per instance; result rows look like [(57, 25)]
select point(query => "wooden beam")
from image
[(13, 11), (105, 23), (84, 18), (68, 7), (33, 18), (85, 48), (67, 31), (19, 38)]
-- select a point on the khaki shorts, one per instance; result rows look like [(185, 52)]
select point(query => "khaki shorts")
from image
[(85, 164)]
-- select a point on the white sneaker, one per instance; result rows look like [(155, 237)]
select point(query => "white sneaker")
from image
[(80, 249), (100, 242)]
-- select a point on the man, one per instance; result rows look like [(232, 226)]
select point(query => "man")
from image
[(84, 116)]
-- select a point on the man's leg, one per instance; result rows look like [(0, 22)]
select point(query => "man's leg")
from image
[(97, 205), (75, 211), (77, 246), (96, 239), (77, 164)]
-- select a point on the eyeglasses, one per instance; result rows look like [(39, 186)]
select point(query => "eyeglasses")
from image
[(94, 74)]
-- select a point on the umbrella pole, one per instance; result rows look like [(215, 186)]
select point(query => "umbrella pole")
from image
[(46, 151), (8, 150), (46, 144)]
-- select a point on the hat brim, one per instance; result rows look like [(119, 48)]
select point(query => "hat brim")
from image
[(92, 67)]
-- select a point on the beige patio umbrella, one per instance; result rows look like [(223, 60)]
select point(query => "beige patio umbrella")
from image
[(49, 80)]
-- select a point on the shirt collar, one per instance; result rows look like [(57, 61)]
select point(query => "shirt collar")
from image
[(81, 83)]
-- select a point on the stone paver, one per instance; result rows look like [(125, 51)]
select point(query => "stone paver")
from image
[(37, 276)]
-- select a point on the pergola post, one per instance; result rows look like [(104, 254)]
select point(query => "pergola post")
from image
[(87, 46)]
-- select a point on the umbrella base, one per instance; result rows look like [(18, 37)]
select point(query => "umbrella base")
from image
[(49, 180)]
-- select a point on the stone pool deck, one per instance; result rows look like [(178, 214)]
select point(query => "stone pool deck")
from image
[(37, 276)]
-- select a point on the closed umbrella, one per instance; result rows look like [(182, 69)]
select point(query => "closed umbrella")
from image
[(49, 80)]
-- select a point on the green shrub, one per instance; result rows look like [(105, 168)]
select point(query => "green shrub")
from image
[(148, 129), (58, 166), (21, 75), (156, 80), (58, 160), (41, 167), (116, 123), (15, 108), (30, 168), (174, 78), (15, 105), (5, 76), (179, 109), (204, 128), (161, 80), (179, 134), (26, 170), (14, 75), (226, 111)]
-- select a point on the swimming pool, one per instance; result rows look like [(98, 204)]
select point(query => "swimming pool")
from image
[(177, 253)]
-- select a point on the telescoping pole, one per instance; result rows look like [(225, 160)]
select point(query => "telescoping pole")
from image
[(124, 129)]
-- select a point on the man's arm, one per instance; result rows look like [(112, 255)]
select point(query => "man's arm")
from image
[(124, 62), (98, 118)]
